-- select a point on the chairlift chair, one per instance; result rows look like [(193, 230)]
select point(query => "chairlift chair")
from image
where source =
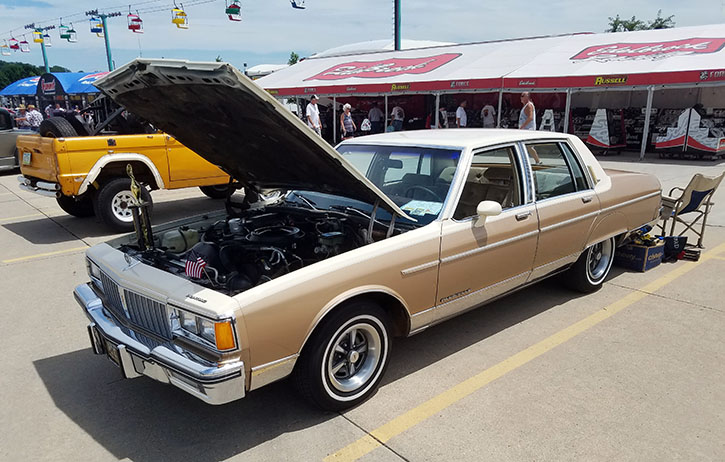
[(96, 26), (63, 32), (179, 17), (694, 201), (46, 39), (38, 36), (135, 23), (24, 45), (72, 34), (5, 49), (233, 11), (14, 44), (298, 4)]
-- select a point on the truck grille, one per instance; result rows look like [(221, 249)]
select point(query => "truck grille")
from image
[(142, 311)]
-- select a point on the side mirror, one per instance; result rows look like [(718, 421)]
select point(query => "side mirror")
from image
[(487, 209)]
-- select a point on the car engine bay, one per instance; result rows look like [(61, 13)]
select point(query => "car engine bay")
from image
[(252, 247)]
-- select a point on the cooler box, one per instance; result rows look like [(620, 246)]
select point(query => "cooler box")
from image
[(639, 257)]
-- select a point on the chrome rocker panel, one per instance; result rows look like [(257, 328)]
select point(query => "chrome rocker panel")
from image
[(212, 383)]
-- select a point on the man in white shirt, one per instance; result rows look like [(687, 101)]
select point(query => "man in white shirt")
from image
[(398, 115), (313, 115), (461, 117), (375, 115), (487, 116)]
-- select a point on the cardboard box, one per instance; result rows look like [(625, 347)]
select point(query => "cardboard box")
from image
[(639, 257)]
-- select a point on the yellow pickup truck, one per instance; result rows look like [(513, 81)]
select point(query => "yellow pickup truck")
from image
[(86, 174)]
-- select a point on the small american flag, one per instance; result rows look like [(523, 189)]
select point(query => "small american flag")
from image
[(194, 265)]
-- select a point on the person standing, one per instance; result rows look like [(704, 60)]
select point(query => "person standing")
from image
[(375, 115), (461, 117), (398, 115), (442, 117), (527, 117), (22, 118), (34, 117), (313, 115), (346, 123), (487, 116)]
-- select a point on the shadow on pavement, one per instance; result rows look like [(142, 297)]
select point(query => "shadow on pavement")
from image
[(65, 228), (145, 420)]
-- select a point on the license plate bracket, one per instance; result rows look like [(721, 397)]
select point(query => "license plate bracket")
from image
[(112, 353)]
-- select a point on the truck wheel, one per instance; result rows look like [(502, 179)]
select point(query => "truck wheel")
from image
[(220, 191), (56, 127), (112, 201), (78, 207), (592, 267), (346, 358)]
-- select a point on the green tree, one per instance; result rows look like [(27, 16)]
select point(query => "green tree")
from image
[(12, 72), (293, 58), (617, 24)]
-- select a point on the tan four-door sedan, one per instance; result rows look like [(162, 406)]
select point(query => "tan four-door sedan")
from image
[(385, 236)]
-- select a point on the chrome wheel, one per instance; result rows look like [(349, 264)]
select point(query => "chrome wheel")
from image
[(120, 206), (599, 260), (354, 357)]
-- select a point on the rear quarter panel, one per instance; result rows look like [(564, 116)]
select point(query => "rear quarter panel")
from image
[(45, 157)]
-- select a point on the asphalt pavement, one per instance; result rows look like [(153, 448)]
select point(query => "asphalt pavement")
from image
[(631, 372)]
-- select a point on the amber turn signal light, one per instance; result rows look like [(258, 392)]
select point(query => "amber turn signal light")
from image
[(224, 335)]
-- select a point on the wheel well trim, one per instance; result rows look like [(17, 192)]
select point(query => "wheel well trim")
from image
[(349, 295), (107, 159)]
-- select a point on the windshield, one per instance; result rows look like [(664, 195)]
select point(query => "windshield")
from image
[(417, 179)]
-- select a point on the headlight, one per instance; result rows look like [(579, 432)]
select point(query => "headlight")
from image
[(94, 272), (217, 334)]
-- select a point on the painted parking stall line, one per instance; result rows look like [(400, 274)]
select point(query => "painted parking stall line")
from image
[(46, 254), (400, 424)]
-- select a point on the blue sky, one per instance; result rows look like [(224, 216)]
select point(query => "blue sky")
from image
[(271, 28)]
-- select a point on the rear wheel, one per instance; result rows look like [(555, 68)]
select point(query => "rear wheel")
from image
[(592, 267), (112, 203), (220, 191), (346, 358), (56, 127), (78, 207)]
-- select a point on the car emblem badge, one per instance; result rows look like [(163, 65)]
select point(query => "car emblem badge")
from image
[(130, 261)]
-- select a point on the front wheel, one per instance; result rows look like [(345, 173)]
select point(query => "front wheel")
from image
[(220, 191), (346, 357), (112, 203), (78, 207), (592, 267)]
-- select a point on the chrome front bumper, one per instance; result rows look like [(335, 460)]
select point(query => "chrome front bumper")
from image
[(212, 383)]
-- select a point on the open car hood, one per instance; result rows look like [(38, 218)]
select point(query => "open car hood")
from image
[(223, 116)]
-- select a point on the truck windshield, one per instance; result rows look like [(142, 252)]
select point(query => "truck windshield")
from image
[(417, 179)]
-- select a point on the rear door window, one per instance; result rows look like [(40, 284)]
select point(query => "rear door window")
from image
[(556, 171)]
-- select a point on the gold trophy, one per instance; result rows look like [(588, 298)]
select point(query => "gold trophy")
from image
[(140, 211)]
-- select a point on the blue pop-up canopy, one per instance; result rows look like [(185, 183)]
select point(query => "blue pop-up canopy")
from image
[(23, 87)]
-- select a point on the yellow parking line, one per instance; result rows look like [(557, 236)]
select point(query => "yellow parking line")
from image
[(46, 254), (22, 216), (433, 406)]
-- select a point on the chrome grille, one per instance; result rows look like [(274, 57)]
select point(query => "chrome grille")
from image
[(140, 310)]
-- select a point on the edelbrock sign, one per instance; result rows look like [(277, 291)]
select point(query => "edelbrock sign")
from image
[(652, 50)]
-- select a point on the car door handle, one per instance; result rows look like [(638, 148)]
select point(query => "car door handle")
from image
[(523, 215), (587, 199)]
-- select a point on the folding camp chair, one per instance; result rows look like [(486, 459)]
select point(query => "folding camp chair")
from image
[(693, 202)]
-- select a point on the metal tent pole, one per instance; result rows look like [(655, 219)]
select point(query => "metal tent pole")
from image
[(498, 112), (386, 114), (645, 131), (334, 120), (438, 106), (567, 110)]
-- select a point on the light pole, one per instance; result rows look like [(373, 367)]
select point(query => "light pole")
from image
[(104, 16), (396, 25)]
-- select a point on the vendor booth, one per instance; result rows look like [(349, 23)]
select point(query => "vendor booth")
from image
[(21, 92), (616, 91)]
